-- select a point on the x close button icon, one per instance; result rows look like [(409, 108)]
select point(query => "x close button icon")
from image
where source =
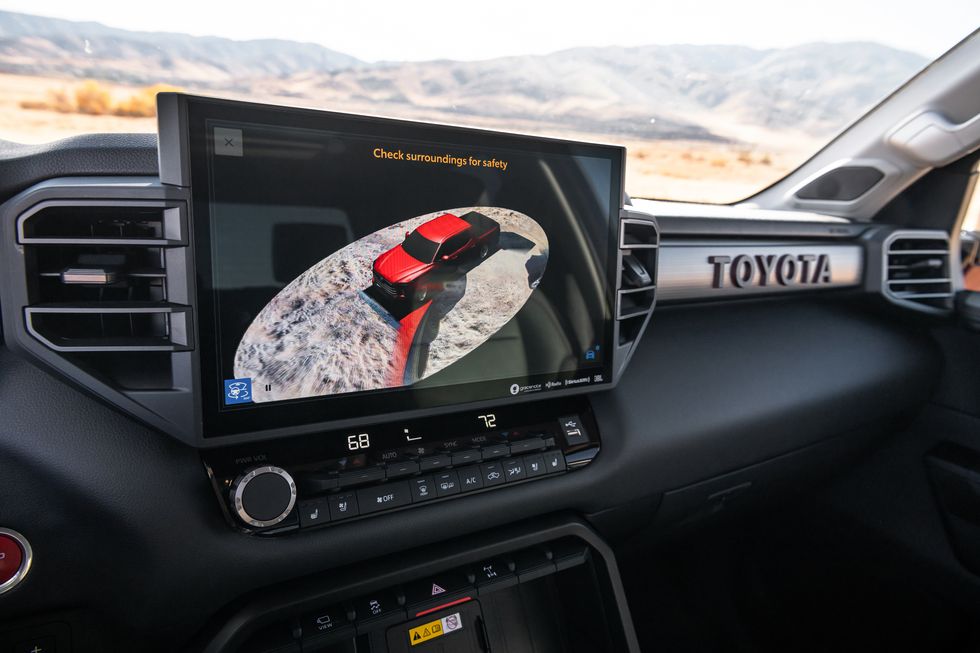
[(228, 142)]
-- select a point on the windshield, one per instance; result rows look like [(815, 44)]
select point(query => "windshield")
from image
[(420, 248), (714, 103)]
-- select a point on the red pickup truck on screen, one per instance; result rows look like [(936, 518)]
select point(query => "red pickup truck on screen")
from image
[(433, 253)]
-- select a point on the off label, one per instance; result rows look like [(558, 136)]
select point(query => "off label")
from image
[(434, 629)]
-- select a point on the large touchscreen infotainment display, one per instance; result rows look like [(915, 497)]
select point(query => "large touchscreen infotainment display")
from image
[(351, 266)]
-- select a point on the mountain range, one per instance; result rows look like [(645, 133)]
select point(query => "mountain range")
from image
[(53, 46), (700, 92)]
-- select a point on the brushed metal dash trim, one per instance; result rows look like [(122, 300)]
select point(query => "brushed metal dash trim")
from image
[(690, 271)]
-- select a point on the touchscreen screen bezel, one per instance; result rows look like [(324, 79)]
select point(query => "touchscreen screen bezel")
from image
[(341, 410)]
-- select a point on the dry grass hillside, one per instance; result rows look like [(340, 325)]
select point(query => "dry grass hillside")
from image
[(692, 170), (702, 123)]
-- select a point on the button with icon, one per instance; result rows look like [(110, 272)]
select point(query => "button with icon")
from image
[(314, 512), (422, 489), (447, 483), (493, 474), (498, 572), (228, 142), (382, 608), (514, 469), (238, 391), (383, 497), (343, 505), (470, 478), (592, 354), (534, 464), (554, 461), (574, 430), (325, 622)]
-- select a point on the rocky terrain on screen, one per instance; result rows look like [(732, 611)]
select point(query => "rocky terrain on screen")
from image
[(320, 335)]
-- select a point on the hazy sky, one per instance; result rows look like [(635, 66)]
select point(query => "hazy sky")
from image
[(459, 29)]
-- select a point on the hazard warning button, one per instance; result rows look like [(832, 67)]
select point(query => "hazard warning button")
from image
[(437, 589)]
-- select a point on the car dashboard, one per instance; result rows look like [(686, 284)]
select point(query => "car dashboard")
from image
[(647, 365)]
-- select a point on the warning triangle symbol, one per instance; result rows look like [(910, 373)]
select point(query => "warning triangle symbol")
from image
[(426, 632), (417, 637), (436, 589)]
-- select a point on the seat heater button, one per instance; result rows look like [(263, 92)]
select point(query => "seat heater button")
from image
[(314, 512), (554, 461), (343, 505), (534, 464)]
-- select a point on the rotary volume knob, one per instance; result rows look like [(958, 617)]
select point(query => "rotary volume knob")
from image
[(263, 496)]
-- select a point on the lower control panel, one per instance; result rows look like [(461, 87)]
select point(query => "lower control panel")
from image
[(429, 608), (551, 584), (317, 480)]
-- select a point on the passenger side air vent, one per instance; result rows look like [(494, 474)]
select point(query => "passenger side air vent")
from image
[(636, 292), (98, 276), (917, 272)]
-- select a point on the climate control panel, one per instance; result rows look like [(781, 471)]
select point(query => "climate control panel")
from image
[(329, 478)]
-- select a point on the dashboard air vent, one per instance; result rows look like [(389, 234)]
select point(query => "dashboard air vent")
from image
[(917, 270), (636, 293), (98, 275), (98, 287)]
